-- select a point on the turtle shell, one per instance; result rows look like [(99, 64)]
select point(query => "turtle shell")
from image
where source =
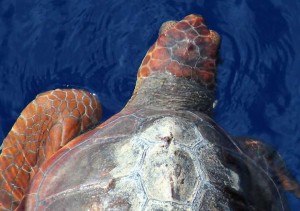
[(152, 160)]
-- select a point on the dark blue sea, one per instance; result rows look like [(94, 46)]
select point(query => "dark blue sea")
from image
[(99, 44)]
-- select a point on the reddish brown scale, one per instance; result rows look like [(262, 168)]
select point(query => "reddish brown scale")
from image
[(175, 68), (59, 114), (182, 26), (203, 30), (175, 35), (185, 49), (194, 21), (186, 54), (191, 34), (144, 72), (187, 71), (210, 52), (178, 35), (146, 60), (158, 65), (164, 41), (208, 65), (202, 41), (160, 54), (207, 76)]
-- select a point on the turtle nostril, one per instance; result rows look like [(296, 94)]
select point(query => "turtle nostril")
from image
[(191, 47)]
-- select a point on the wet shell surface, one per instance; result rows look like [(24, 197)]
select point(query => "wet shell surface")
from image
[(165, 162)]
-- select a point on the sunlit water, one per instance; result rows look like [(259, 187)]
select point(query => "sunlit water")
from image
[(98, 45)]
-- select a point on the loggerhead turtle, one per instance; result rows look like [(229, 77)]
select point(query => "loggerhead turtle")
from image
[(161, 152)]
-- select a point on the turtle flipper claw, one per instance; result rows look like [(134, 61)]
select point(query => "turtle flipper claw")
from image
[(48, 123), (270, 160)]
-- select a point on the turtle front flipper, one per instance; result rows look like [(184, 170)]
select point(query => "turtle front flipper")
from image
[(48, 123), (270, 160)]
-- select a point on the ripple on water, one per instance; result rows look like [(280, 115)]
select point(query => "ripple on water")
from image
[(53, 44), (257, 56), (253, 63), (99, 45)]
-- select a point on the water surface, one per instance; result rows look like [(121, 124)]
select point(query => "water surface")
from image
[(99, 45)]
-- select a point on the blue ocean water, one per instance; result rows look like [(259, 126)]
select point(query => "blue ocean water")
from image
[(98, 45)]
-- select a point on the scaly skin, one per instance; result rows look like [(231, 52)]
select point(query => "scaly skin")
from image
[(186, 49), (185, 53), (49, 122)]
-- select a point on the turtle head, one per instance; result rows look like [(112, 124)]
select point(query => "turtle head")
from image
[(178, 71), (185, 48)]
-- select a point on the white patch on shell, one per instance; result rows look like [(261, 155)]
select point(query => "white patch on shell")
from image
[(235, 180), (128, 193), (127, 156), (161, 156), (169, 174), (215, 103), (167, 128), (165, 166), (165, 206)]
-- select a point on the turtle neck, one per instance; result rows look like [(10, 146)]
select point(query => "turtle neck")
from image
[(178, 71), (166, 91)]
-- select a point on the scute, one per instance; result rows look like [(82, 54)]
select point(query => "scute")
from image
[(168, 163), (103, 159), (123, 126), (127, 156), (215, 171), (175, 128), (121, 194), (170, 174), (209, 198), (165, 206)]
